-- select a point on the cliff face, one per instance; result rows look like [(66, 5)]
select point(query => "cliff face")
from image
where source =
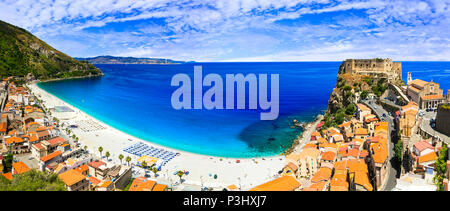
[(22, 53), (349, 89)]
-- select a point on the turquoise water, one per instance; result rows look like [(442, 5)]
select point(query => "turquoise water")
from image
[(136, 99)]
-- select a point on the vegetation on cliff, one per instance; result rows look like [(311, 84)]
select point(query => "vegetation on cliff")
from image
[(22, 53), (348, 90)]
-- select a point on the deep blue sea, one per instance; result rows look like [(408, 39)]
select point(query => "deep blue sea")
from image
[(137, 100)]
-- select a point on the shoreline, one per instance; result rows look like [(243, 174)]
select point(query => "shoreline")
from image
[(200, 166)]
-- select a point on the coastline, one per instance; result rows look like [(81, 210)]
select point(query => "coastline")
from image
[(200, 166)]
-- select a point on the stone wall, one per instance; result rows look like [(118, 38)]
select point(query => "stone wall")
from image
[(443, 119)]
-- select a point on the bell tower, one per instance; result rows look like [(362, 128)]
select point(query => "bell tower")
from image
[(409, 78)]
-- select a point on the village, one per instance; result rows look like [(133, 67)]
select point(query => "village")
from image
[(36, 141), (387, 144)]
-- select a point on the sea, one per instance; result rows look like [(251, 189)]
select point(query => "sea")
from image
[(136, 99)]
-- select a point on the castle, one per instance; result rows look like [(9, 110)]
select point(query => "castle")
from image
[(379, 68)]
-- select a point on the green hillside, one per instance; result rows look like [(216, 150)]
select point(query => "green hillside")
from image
[(22, 53)]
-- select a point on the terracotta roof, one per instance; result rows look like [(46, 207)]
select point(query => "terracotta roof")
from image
[(43, 133), (3, 127), (284, 183), (428, 157), (329, 155), (309, 152), (94, 181), (356, 165), (422, 145), (56, 141), (361, 131), (96, 164), (340, 165), (13, 139), (38, 146), (322, 175), (8, 175), (353, 153), (82, 168), (362, 107), (20, 167), (432, 97), (71, 177), (418, 82), (161, 187), (142, 184), (362, 179), (51, 156), (315, 133), (345, 124), (380, 152)]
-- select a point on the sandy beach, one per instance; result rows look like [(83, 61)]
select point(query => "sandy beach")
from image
[(202, 168)]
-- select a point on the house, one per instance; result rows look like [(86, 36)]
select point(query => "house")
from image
[(54, 157), (362, 110), (284, 183), (361, 133), (320, 186), (142, 184), (107, 185), (406, 118), (38, 150), (322, 175), (422, 148), (74, 180), (308, 162)]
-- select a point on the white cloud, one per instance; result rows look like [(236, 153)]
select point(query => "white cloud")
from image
[(222, 30)]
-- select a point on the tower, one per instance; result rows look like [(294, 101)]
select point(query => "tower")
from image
[(409, 78)]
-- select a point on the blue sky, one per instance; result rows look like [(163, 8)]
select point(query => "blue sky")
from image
[(239, 30)]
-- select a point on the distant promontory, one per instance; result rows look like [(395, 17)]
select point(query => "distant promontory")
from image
[(128, 60)]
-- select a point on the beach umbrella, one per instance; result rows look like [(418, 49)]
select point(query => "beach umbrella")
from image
[(215, 176)]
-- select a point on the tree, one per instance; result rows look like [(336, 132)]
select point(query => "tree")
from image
[(155, 170), (128, 159), (441, 168), (120, 158), (7, 163), (107, 155), (351, 109), (100, 149), (85, 148), (33, 180), (144, 164), (364, 94), (398, 150), (180, 174)]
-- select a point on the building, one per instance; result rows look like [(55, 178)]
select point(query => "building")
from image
[(406, 118), (443, 119), (425, 94), (284, 183), (74, 180), (378, 68)]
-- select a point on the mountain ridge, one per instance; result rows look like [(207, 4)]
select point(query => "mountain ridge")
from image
[(127, 60), (24, 54)]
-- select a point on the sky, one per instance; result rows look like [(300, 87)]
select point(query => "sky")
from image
[(239, 30)]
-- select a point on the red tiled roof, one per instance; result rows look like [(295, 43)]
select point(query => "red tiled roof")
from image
[(51, 156), (96, 164), (422, 145)]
